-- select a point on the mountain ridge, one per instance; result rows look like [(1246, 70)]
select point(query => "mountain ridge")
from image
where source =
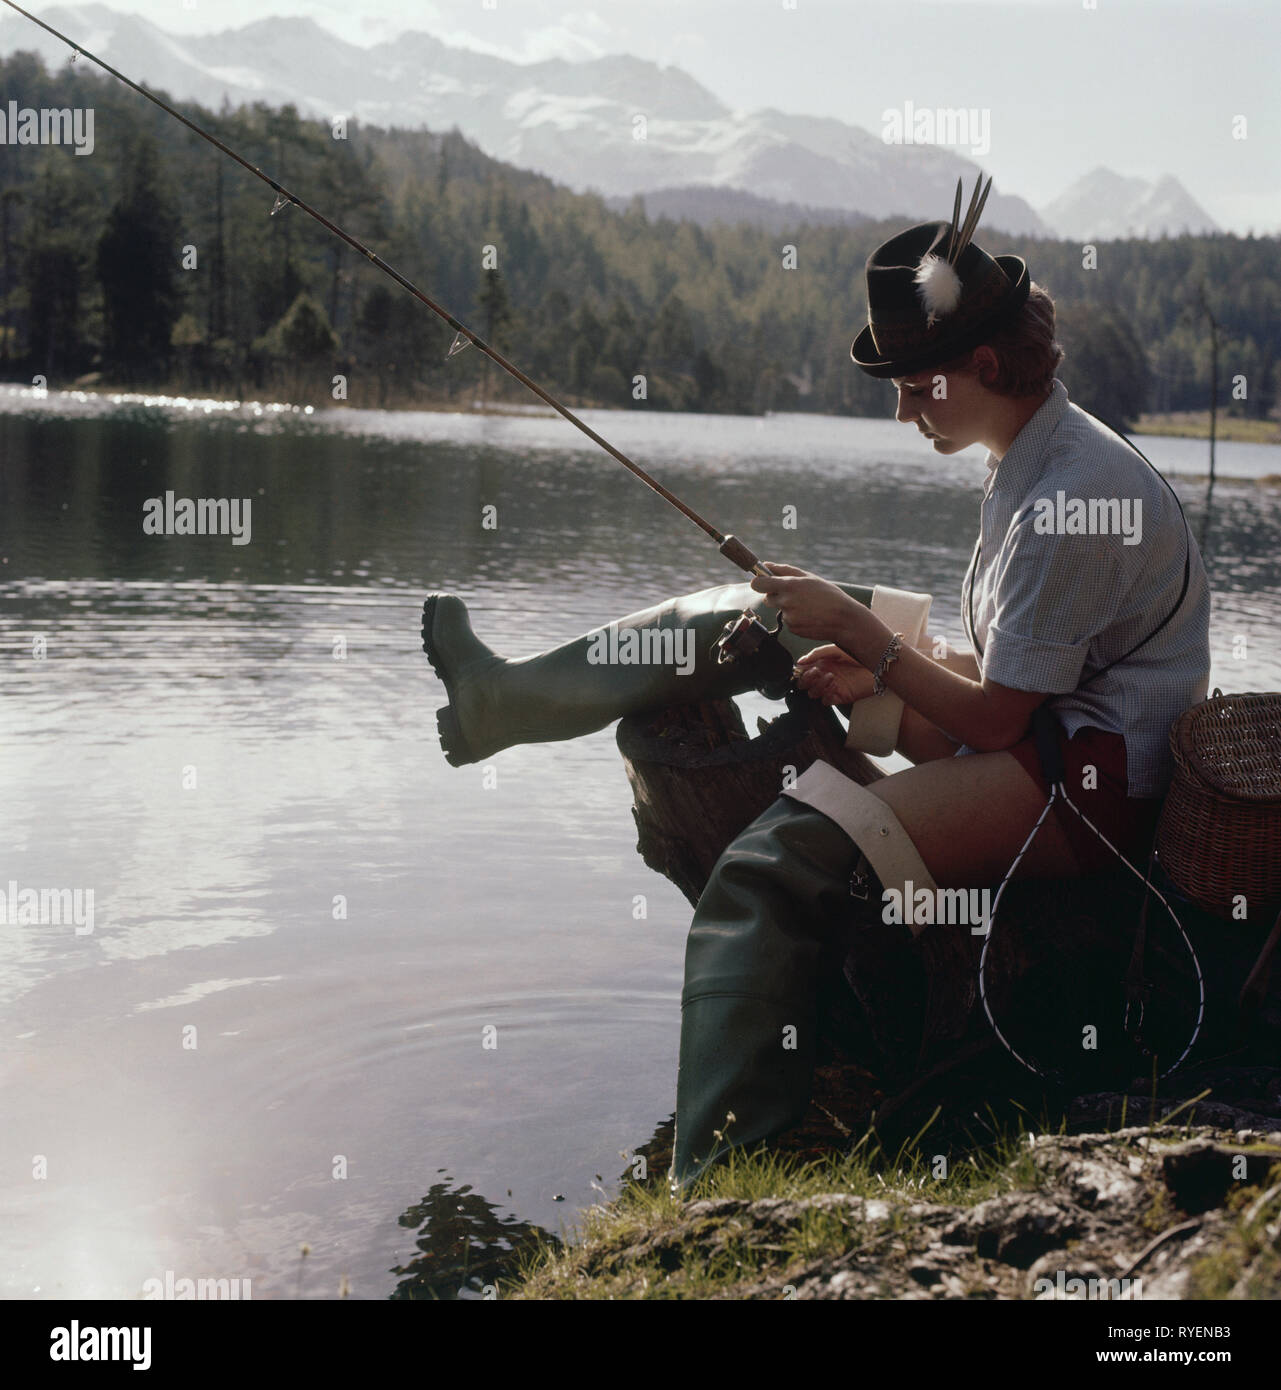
[(617, 125)]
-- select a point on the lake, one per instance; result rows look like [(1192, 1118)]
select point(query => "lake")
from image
[(225, 741)]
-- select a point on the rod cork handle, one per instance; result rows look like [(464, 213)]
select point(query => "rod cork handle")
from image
[(734, 549)]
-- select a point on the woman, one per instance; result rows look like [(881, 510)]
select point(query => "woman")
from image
[(1085, 597)]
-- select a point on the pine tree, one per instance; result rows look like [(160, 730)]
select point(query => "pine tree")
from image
[(496, 307), (138, 257)]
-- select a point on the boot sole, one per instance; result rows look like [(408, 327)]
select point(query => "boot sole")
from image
[(448, 727)]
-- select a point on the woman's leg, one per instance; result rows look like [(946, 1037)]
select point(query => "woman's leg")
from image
[(968, 817), (589, 682)]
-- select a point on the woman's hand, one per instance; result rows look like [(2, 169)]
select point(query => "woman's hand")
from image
[(811, 607), (832, 676)]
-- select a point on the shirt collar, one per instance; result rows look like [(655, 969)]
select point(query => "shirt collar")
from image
[(1020, 467)]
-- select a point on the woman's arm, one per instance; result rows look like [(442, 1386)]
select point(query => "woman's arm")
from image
[(834, 677), (986, 716), (919, 741), (964, 663), (981, 713)]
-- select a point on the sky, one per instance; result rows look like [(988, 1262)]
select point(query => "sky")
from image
[(1145, 87)]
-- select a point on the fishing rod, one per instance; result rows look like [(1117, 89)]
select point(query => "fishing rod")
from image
[(730, 546)]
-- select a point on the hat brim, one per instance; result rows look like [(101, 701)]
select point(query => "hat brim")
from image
[(864, 353)]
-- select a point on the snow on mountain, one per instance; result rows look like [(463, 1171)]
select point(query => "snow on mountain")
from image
[(1103, 204), (616, 124)]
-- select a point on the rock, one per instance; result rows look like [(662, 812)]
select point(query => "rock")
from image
[(1016, 1228), (1200, 1173)]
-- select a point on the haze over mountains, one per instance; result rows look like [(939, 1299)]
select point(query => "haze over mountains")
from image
[(579, 122)]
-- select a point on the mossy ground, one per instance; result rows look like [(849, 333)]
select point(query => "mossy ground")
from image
[(1248, 1263)]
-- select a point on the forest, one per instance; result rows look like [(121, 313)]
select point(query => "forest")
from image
[(156, 263)]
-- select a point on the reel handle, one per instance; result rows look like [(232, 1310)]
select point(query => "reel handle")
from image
[(747, 639)]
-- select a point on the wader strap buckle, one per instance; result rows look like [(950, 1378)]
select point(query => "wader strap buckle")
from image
[(1045, 735), (887, 853)]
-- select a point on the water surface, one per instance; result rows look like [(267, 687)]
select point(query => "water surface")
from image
[(190, 748)]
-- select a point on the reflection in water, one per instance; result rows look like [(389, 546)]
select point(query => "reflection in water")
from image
[(465, 1246), (649, 1163)]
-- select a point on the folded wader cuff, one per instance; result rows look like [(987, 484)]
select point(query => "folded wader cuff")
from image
[(874, 720), (873, 827)]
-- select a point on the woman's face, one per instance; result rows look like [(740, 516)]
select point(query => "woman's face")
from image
[(949, 408)]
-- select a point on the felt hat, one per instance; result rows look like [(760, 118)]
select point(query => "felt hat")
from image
[(932, 294)]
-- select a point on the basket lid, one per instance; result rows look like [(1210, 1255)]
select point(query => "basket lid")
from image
[(1232, 745)]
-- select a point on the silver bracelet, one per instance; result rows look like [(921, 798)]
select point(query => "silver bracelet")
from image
[(891, 654)]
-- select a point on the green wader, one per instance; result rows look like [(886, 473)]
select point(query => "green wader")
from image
[(774, 926), (495, 703)]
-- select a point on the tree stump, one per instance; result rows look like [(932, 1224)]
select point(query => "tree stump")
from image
[(699, 779)]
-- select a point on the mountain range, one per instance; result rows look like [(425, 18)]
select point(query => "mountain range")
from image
[(616, 124), (1103, 204)]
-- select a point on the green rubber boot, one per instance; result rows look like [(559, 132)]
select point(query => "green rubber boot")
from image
[(659, 656), (775, 923)]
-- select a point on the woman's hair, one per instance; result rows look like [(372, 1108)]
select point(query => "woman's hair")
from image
[(1026, 350)]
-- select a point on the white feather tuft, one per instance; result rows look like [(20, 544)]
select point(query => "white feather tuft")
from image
[(939, 286)]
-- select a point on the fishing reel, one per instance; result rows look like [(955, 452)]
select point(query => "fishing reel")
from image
[(746, 639)]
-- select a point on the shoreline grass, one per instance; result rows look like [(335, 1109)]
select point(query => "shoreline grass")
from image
[(1195, 424), (747, 1226)]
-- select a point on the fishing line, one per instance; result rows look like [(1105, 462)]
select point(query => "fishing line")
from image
[(1059, 791), (730, 546)]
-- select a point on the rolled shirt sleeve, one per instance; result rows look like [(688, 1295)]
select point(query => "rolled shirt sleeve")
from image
[(1055, 594), (1114, 628)]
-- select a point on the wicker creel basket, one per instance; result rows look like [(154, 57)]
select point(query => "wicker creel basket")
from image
[(1219, 837)]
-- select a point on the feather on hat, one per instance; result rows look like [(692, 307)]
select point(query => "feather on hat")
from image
[(937, 281)]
